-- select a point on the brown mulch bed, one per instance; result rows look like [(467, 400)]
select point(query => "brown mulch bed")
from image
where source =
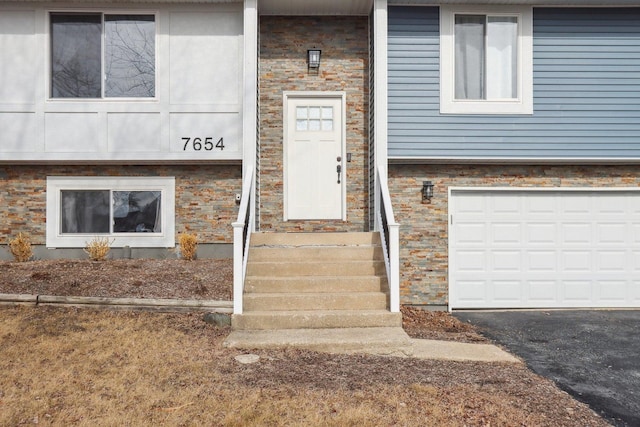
[(204, 279)]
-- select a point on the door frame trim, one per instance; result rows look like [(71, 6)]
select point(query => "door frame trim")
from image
[(338, 95)]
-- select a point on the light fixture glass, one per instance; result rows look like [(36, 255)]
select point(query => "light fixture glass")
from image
[(427, 191), (313, 58)]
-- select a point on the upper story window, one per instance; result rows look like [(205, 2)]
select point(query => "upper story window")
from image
[(95, 55), (486, 60)]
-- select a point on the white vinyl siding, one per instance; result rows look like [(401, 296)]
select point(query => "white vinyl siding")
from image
[(72, 92)]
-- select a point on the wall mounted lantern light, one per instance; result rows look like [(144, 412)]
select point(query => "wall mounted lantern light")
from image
[(313, 58), (427, 191)]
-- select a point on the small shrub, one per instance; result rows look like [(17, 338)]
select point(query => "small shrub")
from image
[(98, 248), (20, 248), (188, 246)]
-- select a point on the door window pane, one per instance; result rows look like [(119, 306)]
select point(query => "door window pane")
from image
[(85, 211), (301, 125), (129, 63), (75, 55), (314, 125), (301, 112), (314, 112)]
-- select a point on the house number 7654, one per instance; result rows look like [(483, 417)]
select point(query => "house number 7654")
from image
[(198, 144)]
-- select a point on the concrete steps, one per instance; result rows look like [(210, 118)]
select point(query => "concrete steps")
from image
[(316, 319), (315, 301), (318, 283)]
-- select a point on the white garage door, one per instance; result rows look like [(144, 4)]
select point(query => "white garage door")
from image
[(541, 249)]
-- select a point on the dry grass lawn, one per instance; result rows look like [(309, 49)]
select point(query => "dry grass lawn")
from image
[(85, 367)]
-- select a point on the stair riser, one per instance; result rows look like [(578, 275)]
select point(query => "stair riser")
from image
[(316, 254), (305, 320), (289, 269), (287, 302), (314, 284), (314, 239)]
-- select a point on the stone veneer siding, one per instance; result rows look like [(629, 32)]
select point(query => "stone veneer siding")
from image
[(423, 227), (205, 197), (283, 67)]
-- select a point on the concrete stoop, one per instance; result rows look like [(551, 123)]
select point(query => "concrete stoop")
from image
[(388, 341), (315, 281)]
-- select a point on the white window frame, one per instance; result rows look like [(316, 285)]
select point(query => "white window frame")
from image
[(102, 13), (523, 103), (164, 239)]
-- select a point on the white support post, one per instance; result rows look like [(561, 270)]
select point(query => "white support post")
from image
[(394, 268), (250, 93), (238, 261)]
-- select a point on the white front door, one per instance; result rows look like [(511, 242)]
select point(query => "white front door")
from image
[(314, 167)]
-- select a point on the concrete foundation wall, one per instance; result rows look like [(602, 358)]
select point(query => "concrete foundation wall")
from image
[(423, 227)]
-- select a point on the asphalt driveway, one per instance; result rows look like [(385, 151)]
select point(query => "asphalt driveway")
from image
[(594, 355)]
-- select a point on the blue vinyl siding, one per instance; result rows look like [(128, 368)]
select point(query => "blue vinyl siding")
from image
[(586, 74)]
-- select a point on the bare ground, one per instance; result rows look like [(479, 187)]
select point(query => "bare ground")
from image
[(84, 367)]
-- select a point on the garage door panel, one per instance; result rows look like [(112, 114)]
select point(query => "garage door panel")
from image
[(540, 206), (471, 261), (575, 261), (635, 291), (635, 233), (472, 291), (612, 233), (472, 204), (541, 261), (520, 248), (470, 234), (542, 291), (507, 291), (506, 260), (574, 291), (540, 233), (507, 205), (612, 290), (575, 205), (576, 233), (611, 261)]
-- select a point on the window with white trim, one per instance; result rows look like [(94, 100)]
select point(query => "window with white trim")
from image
[(95, 55), (486, 59), (131, 211)]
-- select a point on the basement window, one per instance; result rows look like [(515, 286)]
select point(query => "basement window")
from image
[(136, 212)]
